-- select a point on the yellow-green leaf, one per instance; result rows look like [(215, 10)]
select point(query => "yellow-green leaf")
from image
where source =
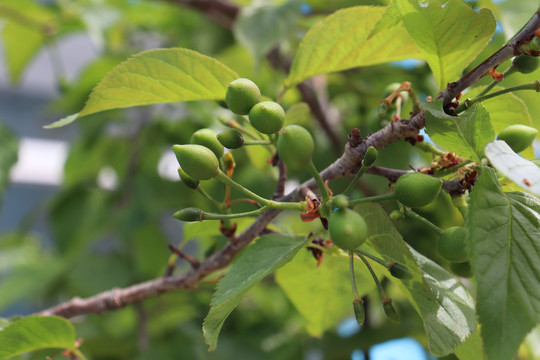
[(160, 76), (345, 40)]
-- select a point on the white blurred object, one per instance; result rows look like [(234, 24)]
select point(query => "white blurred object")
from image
[(168, 166), (107, 178), (40, 162)]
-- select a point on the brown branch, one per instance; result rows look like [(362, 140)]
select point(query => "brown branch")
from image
[(510, 49)]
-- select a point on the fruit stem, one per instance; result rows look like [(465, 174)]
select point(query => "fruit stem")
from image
[(209, 197), (320, 183), (423, 220), (235, 125), (213, 216), (511, 69), (372, 257), (353, 276), (357, 177), (377, 282), (382, 197), (533, 85), (258, 142), (267, 204), (429, 147)]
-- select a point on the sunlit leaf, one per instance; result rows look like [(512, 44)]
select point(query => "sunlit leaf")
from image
[(341, 42), (450, 36)]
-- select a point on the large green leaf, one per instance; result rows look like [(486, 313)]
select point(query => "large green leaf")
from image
[(263, 25), (160, 76), (327, 286), (444, 304), (504, 232), (450, 36), (268, 254), (8, 155), (37, 332), (521, 171), (345, 40), (465, 135)]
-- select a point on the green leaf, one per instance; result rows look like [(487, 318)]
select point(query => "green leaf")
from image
[(37, 332), (160, 76), (62, 122), (444, 304), (268, 254), (504, 232), (390, 18), (263, 25), (19, 53), (311, 288), (450, 36), (504, 110), (8, 155), (465, 135), (472, 348), (521, 171), (340, 42)]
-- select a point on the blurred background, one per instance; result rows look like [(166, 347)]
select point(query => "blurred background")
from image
[(87, 207)]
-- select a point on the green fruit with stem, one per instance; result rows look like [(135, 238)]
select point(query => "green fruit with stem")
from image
[(231, 139), (518, 137), (189, 214), (207, 137), (242, 94), (267, 117), (453, 244), (197, 161), (348, 229), (417, 189), (526, 64), (295, 147)]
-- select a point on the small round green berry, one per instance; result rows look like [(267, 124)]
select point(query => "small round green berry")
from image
[(267, 117), (417, 189), (197, 161), (341, 201), (189, 214), (231, 138), (188, 180), (518, 137), (207, 137), (242, 94), (295, 147), (526, 64), (453, 244), (348, 229)]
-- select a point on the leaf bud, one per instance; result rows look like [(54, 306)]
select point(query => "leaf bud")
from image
[(370, 157), (231, 138), (189, 214), (188, 180)]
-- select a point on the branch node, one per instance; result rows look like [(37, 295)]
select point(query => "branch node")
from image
[(193, 262)]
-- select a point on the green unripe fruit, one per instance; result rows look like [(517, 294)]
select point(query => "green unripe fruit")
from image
[(231, 139), (207, 137), (359, 311), (396, 215), (526, 64), (348, 229), (267, 117), (370, 157), (197, 161), (242, 94), (295, 147), (341, 201), (188, 180), (453, 244), (390, 310), (462, 269), (189, 214), (417, 189), (518, 137), (399, 271)]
